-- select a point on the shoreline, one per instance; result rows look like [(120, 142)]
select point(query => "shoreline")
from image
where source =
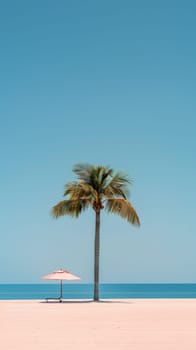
[(102, 300), (111, 324)]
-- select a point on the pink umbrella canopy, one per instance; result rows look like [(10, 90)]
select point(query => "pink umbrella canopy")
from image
[(61, 275)]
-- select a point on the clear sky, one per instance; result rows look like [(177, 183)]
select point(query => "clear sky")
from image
[(104, 82)]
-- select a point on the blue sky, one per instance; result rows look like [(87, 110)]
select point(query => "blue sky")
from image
[(101, 82)]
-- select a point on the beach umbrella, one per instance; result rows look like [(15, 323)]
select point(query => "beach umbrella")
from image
[(61, 275)]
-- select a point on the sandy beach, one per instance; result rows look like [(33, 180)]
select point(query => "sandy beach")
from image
[(110, 324)]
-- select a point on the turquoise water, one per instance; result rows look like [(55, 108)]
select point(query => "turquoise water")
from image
[(107, 291)]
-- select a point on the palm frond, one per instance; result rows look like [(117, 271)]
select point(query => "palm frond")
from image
[(118, 186), (112, 192), (106, 176), (80, 190), (123, 208), (70, 207), (83, 171), (94, 179)]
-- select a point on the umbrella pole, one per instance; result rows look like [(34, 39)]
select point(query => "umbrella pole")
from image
[(61, 290)]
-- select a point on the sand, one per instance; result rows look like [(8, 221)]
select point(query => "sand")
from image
[(153, 324)]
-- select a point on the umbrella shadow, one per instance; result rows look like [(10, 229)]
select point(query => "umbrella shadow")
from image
[(64, 301)]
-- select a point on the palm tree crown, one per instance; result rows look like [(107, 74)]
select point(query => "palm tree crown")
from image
[(100, 188)]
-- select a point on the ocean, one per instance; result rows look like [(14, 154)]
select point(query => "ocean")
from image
[(107, 291)]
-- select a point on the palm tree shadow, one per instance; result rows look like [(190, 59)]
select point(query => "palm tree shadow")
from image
[(116, 301)]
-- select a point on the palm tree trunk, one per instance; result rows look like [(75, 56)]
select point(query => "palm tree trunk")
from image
[(96, 257)]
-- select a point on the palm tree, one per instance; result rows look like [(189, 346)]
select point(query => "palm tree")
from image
[(100, 188)]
